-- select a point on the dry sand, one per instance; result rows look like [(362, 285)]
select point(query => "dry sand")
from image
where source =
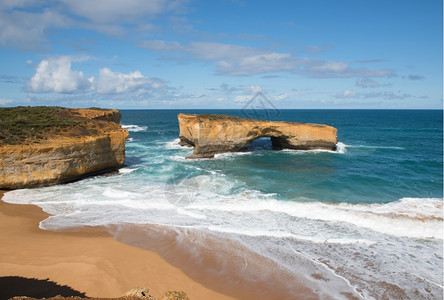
[(90, 262)]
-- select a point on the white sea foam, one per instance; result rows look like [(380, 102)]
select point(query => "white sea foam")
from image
[(232, 154), (177, 157), (134, 128), (257, 232), (173, 145), (118, 194), (375, 147), (410, 217), (127, 170), (211, 195), (363, 245), (259, 221), (341, 148)]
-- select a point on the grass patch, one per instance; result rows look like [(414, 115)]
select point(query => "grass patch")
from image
[(219, 117), (19, 124)]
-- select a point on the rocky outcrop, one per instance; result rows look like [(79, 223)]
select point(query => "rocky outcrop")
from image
[(134, 294), (210, 134), (94, 144), (112, 115), (143, 294)]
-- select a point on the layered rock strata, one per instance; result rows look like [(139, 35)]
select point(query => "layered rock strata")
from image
[(94, 144), (211, 134)]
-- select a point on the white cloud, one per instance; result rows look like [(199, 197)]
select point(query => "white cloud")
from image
[(111, 11), (220, 51), (113, 30), (253, 89), (242, 98), (6, 101), (236, 60), (56, 75), (161, 46), (227, 89), (114, 82), (56, 78), (317, 49), (249, 92), (208, 51), (24, 24), (331, 69), (367, 83), (119, 12), (330, 66), (10, 4), (283, 96), (10, 79), (387, 95), (26, 30), (258, 64), (145, 27), (349, 93), (230, 59)]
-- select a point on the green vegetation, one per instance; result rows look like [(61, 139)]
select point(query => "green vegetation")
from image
[(98, 108), (18, 124), (219, 117)]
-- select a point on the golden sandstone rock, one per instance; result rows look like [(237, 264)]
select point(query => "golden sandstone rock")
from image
[(211, 134), (95, 143)]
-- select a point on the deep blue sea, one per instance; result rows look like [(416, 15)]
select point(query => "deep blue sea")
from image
[(363, 221)]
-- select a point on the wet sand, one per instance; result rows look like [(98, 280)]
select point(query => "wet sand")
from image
[(89, 262)]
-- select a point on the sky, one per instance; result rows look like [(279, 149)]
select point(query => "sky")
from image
[(187, 54)]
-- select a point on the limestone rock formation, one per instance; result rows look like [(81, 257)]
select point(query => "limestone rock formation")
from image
[(133, 294), (211, 134), (81, 142)]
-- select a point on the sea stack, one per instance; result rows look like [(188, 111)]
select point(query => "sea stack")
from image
[(210, 134), (42, 146)]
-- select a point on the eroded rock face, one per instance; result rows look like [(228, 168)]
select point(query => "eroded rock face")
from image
[(96, 146), (211, 134)]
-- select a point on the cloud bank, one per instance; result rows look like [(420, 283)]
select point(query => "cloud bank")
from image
[(55, 75), (111, 82), (236, 60), (25, 24)]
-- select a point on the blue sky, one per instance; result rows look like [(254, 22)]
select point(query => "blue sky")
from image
[(220, 54)]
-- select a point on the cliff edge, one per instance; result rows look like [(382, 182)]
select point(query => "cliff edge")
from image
[(42, 146), (211, 134)]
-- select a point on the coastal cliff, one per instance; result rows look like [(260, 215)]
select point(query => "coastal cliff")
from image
[(211, 134), (42, 146)]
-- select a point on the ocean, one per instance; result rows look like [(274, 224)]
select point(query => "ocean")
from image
[(362, 222)]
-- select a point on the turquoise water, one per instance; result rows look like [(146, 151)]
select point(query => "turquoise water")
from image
[(367, 217), (389, 155)]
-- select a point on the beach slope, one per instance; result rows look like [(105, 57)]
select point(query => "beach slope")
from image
[(89, 262)]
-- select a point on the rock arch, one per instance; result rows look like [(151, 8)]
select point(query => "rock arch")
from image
[(210, 134)]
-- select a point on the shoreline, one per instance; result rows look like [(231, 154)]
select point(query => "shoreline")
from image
[(97, 262), (108, 262), (90, 262)]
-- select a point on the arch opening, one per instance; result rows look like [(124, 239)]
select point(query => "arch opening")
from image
[(265, 143)]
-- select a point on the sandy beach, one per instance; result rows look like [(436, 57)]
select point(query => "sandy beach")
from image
[(91, 263)]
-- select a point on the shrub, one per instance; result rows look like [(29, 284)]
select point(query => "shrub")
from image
[(18, 124)]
